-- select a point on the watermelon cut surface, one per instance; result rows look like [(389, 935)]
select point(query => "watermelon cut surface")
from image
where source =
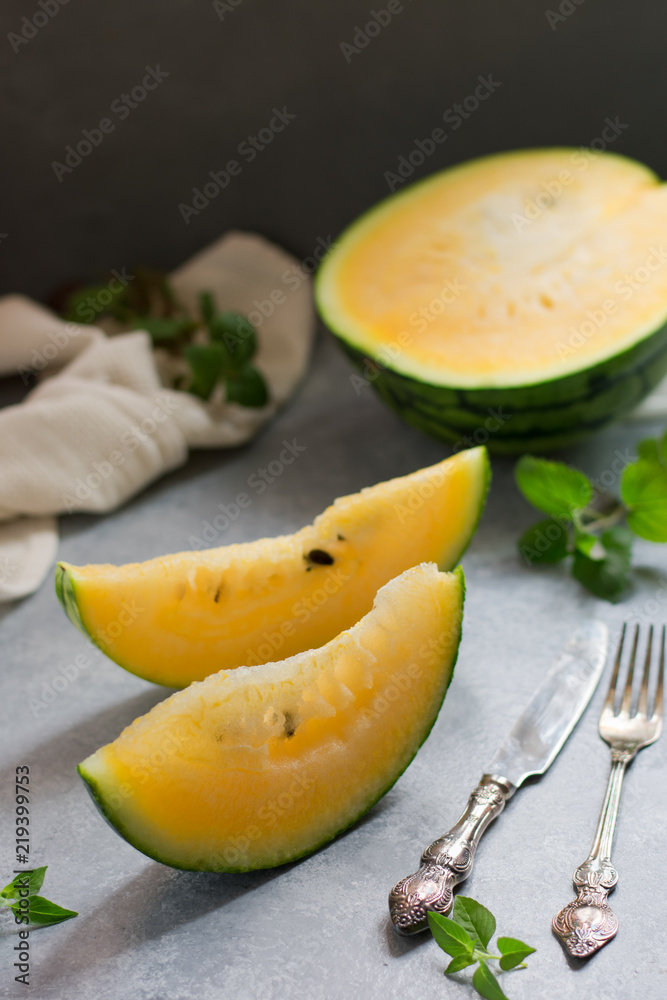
[(179, 617), (258, 766), (519, 299)]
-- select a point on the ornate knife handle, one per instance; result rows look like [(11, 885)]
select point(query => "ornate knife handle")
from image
[(448, 860), (588, 922)]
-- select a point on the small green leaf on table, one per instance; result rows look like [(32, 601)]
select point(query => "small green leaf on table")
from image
[(465, 937), (513, 952), (35, 882), (450, 936), (460, 962), (486, 983), (553, 487), (545, 542), (43, 911), (588, 543), (606, 577), (644, 492), (479, 922)]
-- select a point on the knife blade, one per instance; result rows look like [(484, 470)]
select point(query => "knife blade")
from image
[(529, 748)]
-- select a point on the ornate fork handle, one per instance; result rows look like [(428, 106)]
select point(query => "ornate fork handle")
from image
[(588, 922), (448, 860)]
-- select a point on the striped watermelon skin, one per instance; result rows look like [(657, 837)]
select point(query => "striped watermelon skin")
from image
[(543, 417)]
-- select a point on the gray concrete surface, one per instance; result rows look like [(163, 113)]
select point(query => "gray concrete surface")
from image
[(318, 929)]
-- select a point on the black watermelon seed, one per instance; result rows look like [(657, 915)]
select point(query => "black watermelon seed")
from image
[(320, 557)]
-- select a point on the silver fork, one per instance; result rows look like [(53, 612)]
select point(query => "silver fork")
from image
[(587, 923)]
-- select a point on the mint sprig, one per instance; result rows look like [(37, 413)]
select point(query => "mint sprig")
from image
[(465, 938), (39, 911), (226, 359), (146, 301), (591, 526)]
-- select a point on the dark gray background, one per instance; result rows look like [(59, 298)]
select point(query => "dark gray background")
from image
[(120, 206)]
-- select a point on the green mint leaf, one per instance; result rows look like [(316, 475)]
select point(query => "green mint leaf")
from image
[(544, 542), (648, 449), (35, 881), (551, 486), (247, 387), (644, 493), (43, 911), (161, 329), (237, 334), (606, 577), (479, 922), (207, 307), (450, 936), (486, 983), (84, 304), (654, 450), (206, 362), (585, 542), (460, 962), (513, 952)]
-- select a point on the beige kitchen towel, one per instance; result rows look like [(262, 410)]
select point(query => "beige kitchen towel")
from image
[(103, 423)]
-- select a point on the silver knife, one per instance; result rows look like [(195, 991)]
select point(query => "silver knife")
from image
[(528, 749)]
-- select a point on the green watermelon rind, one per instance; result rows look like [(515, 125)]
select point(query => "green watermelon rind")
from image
[(112, 818), (570, 408), (66, 595)]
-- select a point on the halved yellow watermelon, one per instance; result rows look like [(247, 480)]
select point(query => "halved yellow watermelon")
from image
[(257, 766), (518, 299), (180, 617)]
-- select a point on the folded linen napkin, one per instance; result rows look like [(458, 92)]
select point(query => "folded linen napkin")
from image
[(102, 424)]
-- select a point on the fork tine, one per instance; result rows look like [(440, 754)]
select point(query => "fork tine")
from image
[(657, 702), (642, 703), (627, 694), (611, 693)]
